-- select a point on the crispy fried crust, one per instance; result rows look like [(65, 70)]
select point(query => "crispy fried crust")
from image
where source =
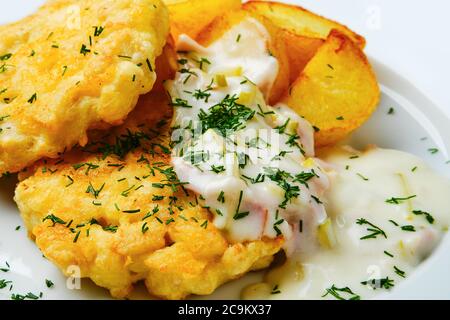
[(126, 219), (73, 66)]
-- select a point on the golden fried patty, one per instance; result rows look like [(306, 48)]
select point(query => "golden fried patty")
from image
[(73, 66), (117, 210)]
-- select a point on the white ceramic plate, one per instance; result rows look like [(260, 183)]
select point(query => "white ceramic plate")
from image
[(415, 118)]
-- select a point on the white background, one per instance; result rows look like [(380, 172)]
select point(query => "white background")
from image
[(410, 36)]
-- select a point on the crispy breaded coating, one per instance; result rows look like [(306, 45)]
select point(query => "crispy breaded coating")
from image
[(74, 65), (117, 210)]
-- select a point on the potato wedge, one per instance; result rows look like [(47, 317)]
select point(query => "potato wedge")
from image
[(191, 16), (300, 50), (276, 46), (337, 91), (300, 21)]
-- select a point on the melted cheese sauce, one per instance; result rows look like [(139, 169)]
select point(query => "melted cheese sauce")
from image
[(251, 164), (374, 186)]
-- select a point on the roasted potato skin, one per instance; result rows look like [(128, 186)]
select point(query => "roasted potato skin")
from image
[(279, 49), (300, 50), (277, 46), (300, 21), (191, 16), (337, 91)]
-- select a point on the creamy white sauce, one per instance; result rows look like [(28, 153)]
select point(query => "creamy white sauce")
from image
[(390, 174), (258, 176), (253, 171), (243, 49)]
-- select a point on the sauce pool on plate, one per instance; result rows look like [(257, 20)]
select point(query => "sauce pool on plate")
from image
[(388, 212)]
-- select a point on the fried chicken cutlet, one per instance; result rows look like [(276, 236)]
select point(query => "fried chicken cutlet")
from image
[(74, 65), (117, 210)]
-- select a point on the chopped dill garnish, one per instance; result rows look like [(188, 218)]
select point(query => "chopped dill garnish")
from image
[(394, 200), (227, 115), (401, 273), (373, 229), (339, 292), (383, 283), (428, 216)]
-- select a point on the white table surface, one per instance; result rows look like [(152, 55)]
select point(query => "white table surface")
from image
[(410, 36)]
